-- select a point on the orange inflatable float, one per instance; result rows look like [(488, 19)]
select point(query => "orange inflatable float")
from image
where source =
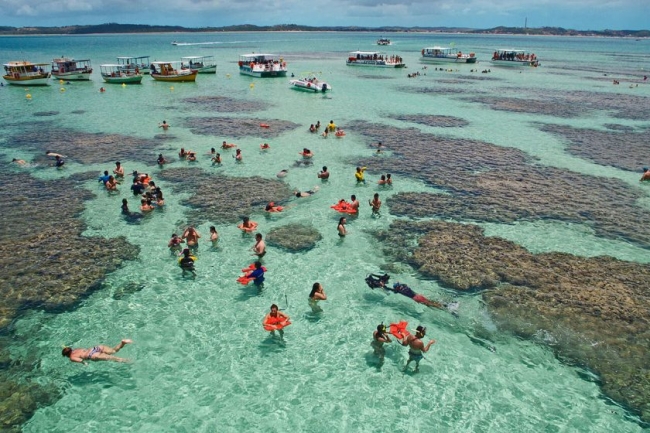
[(276, 323), (245, 279), (265, 125), (343, 207), (398, 330)]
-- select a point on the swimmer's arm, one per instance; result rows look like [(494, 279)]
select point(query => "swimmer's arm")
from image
[(426, 348), (77, 359)]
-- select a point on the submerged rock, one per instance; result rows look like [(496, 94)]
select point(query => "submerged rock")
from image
[(432, 120), (591, 311), (224, 104), (294, 237), (238, 127)]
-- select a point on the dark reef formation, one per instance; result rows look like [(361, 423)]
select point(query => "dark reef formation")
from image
[(238, 127), (595, 310), (294, 238), (224, 104)]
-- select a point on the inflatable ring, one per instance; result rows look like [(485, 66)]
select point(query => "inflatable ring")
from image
[(275, 324), (264, 125)]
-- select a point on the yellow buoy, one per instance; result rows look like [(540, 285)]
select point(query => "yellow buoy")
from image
[(252, 85), (60, 81), (62, 89), (123, 84), (28, 96), (171, 88), (227, 75)]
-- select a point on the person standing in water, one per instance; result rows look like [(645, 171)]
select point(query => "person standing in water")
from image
[(259, 249), (379, 337), (341, 227), (164, 125), (375, 204), (416, 347), (317, 294), (276, 320), (192, 237)]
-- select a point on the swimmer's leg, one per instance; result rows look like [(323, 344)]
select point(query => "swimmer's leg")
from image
[(106, 357), (281, 332)]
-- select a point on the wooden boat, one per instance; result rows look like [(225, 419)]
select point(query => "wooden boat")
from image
[(137, 65), (446, 55), (71, 69), (202, 64), (374, 58), (310, 84), (514, 58), (27, 74), (113, 73), (262, 65), (171, 72)]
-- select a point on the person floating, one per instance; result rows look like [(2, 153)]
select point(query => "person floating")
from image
[(265, 146), (308, 193), (225, 145), (317, 294), (97, 353), (276, 320), (247, 225), (271, 207), (306, 153), (381, 281)]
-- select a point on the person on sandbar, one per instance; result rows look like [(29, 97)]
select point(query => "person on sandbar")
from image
[(97, 353)]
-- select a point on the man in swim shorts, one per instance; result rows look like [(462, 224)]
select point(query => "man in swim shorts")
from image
[(405, 290), (324, 174), (646, 174), (379, 337), (416, 347), (192, 237), (259, 249), (97, 353)]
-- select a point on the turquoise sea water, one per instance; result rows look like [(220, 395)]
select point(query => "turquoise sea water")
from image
[(201, 360)]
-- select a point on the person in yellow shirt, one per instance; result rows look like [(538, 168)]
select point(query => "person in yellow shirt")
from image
[(331, 126), (359, 174)]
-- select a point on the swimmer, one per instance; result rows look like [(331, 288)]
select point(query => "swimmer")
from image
[(187, 263), (182, 153), (59, 161), (104, 178), (354, 203), (332, 126), (161, 160), (324, 174), (646, 174), (282, 173), (306, 153), (118, 171), (309, 193), (379, 146), (382, 180), (312, 128), (259, 249), (238, 156), (164, 125), (265, 146), (160, 201), (416, 347), (379, 337), (271, 207), (389, 179), (125, 207), (225, 145), (191, 156), (145, 205), (175, 242), (97, 353), (137, 187), (54, 155), (212, 151), (192, 237), (341, 227), (275, 317), (247, 225), (19, 161), (214, 236), (257, 274), (216, 160), (359, 174), (318, 125), (340, 133), (325, 133), (375, 203), (111, 184), (317, 294)]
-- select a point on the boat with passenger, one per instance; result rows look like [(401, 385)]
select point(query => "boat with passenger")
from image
[(137, 65), (446, 55), (23, 73), (383, 41), (202, 64), (171, 71), (310, 84), (262, 65), (114, 73), (514, 58), (374, 58), (71, 69)]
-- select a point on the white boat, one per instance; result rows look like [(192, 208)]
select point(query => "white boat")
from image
[(446, 55), (514, 58), (262, 65), (71, 69), (135, 65), (202, 64), (27, 74), (310, 84), (171, 71), (374, 58), (113, 73), (383, 41)]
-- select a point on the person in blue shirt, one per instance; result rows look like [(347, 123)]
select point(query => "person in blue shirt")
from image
[(258, 274), (103, 179)]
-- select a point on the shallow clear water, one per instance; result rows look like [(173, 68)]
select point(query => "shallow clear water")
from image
[(201, 360)]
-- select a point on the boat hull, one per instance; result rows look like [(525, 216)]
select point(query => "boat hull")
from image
[(207, 70), (515, 63), (310, 87), (244, 70), (30, 80), (175, 78), (374, 64), (450, 59), (134, 79), (72, 76)]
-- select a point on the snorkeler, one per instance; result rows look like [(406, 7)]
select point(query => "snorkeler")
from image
[(379, 337), (416, 347)]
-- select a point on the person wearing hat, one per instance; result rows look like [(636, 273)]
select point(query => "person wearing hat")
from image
[(416, 346), (646, 174)]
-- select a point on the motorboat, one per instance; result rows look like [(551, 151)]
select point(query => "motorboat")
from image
[(310, 84), (114, 73), (383, 41), (514, 58), (446, 55), (202, 64), (25, 73), (262, 65), (137, 65), (71, 69), (171, 71), (374, 58)]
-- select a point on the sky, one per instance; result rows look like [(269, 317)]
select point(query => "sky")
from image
[(478, 14)]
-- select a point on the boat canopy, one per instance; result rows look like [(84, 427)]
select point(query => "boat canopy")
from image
[(507, 50), (437, 48), (196, 57), (19, 64), (133, 58), (365, 53), (259, 57)]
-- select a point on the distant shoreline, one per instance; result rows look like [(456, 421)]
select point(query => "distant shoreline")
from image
[(113, 28)]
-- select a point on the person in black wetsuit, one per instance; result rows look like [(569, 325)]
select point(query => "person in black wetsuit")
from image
[(187, 263)]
